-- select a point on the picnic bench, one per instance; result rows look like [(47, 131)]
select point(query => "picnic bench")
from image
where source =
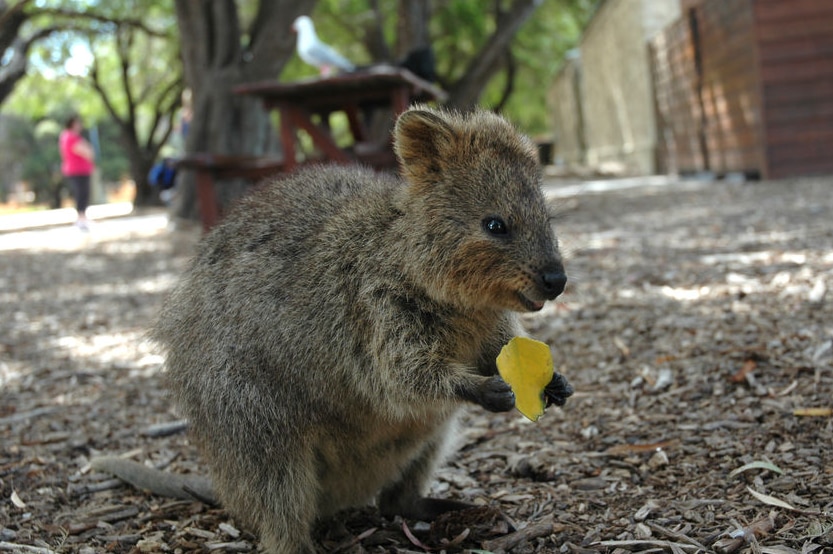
[(211, 168)]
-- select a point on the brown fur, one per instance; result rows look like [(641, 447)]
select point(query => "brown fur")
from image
[(330, 328)]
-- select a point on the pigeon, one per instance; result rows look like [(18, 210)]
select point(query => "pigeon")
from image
[(315, 52)]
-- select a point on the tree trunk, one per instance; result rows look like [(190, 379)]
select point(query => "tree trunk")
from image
[(140, 165), (215, 60), (412, 26)]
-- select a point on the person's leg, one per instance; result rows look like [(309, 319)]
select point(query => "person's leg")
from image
[(81, 191)]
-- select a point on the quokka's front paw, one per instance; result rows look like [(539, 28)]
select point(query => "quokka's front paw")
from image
[(558, 390), (495, 395)]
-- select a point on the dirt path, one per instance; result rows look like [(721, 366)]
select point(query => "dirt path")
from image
[(697, 329)]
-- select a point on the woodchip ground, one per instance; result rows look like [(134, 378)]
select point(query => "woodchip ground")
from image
[(697, 330)]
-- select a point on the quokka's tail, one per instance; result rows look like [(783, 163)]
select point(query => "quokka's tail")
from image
[(163, 483)]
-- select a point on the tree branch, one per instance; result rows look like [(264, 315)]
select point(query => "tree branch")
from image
[(17, 47), (509, 86), (166, 105), (11, 19), (465, 92), (105, 98), (195, 40), (227, 47), (89, 16), (124, 43), (374, 38), (15, 67)]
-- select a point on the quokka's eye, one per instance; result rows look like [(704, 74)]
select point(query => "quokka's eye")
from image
[(495, 226)]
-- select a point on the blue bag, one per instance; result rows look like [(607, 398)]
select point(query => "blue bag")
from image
[(163, 174)]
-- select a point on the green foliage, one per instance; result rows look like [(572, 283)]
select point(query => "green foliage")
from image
[(139, 74), (35, 98), (458, 30), (111, 161), (539, 50), (30, 154), (17, 141), (42, 167)]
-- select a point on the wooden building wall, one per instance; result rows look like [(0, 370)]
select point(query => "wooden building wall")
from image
[(795, 50), (566, 114), (678, 106), (730, 95), (762, 85), (602, 102), (616, 89)]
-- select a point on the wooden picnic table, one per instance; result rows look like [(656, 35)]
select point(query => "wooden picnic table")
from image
[(300, 102), (306, 106)]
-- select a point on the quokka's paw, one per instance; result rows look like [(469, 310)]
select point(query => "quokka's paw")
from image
[(558, 390), (496, 395)]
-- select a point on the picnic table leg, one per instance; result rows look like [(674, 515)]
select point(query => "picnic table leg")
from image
[(357, 127), (319, 136), (207, 198), (288, 138), (400, 97)]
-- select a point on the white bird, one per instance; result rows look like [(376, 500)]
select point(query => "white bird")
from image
[(315, 52)]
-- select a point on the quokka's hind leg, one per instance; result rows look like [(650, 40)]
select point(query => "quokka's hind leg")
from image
[(280, 500), (405, 497), (286, 545)]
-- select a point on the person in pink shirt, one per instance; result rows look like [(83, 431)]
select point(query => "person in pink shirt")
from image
[(77, 165)]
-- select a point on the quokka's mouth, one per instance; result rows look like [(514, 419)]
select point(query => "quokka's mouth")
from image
[(529, 304)]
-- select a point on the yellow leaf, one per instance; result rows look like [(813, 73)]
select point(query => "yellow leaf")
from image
[(526, 364)]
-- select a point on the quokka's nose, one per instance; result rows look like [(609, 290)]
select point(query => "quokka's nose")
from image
[(553, 282)]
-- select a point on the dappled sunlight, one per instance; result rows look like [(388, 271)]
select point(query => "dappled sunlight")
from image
[(110, 349), (690, 257), (93, 349), (660, 283), (65, 216), (67, 238), (81, 304), (682, 294)]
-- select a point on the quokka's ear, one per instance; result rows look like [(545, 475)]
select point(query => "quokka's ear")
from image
[(423, 139)]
